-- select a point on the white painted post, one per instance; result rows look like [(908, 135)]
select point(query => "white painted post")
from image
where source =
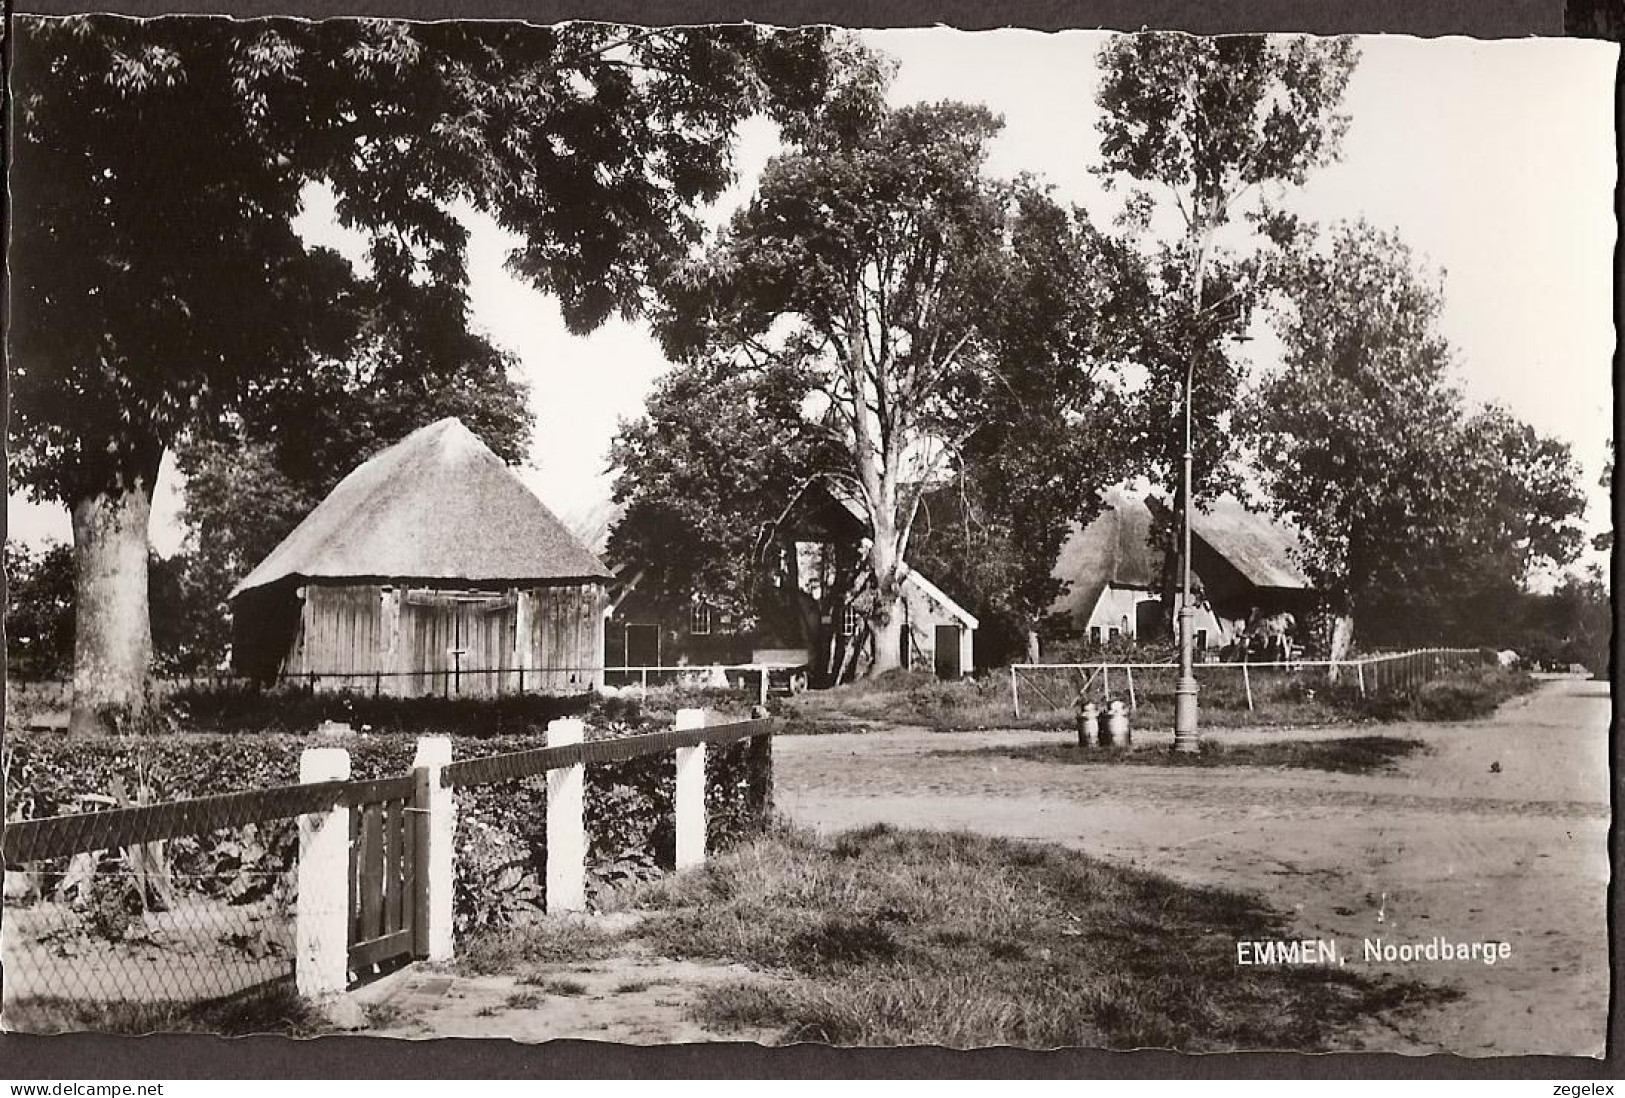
[(762, 697), (690, 797), (1132, 702), (1015, 695), (566, 823), (322, 917), (1247, 681), (436, 838)]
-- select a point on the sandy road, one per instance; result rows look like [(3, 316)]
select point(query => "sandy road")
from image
[(1498, 832)]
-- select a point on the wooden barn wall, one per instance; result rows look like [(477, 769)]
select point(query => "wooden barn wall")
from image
[(337, 642), (566, 637), (417, 642)]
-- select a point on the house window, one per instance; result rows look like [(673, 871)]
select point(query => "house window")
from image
[(849, 621), (1112, 635), (1201, 640), (699, 618), (1094, 634)]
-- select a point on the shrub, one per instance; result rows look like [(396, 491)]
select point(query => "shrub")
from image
[(502, 827)]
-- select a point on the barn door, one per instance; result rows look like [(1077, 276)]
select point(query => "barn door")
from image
[(460, 644)]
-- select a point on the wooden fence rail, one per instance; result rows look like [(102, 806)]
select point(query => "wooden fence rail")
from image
[(376, 857)]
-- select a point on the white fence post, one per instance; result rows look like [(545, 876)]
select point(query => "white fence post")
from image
[(322, 916), (762, 695), (690, 796), (436, 839), (566, 824)]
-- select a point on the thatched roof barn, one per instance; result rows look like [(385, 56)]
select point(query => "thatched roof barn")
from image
[(430, 569), (1242, 564)]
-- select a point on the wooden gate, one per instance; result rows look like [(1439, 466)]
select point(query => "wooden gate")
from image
[(387, 874)]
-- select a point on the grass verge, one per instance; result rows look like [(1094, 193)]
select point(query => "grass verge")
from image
[(527, 949), (893, 937), (1274, 700), (1350, 755), (279, 1010)]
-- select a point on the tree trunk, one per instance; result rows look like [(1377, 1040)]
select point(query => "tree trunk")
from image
[(1032, 646), (887, 628), (112, 650), (885, 570), (1342, 641)]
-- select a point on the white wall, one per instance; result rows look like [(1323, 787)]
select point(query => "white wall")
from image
[(1116, 609)]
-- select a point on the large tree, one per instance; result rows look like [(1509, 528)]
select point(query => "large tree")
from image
[(1051, 432), (710, 478), (157, 167), (1410, 505), (1211, 132), (879, 257)]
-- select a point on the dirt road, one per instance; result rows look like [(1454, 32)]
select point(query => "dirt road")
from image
[(1498, 833)]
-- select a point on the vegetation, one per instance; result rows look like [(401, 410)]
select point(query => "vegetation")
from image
[(1352, 755), (884, 936), (877, 259), (278, 1010), (1418, 517), (919, 698), (1207, 133), (176, 153), (528, 952)]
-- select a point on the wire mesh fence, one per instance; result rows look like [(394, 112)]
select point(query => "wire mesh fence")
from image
[(1059, 689), (116, 922), (142, 917)]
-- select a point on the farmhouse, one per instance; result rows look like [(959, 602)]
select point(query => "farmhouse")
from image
[(431, 569), (1242, 573), (811, 616)]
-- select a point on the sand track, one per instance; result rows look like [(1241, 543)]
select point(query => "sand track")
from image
[(1498, 832)]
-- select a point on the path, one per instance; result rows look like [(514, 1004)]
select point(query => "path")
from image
[(1447, 845)]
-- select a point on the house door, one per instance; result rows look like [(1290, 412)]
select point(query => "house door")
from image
[(947, 654), (643, 646)]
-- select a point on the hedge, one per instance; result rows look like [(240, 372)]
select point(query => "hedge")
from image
[(501, 837)]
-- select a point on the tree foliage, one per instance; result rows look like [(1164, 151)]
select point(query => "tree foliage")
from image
[(1053, 430), (877, 259), (706, 476), (158, 283), (1211, 130), (39, 610), (1416, 513)]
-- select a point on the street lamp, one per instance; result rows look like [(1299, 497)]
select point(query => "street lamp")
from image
[(1186, 738)]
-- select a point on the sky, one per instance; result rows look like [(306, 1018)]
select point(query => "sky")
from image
[(1493, 160)]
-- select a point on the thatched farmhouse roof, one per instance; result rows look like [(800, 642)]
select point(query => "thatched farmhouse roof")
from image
[(438, 505), (1115, 550), (1257, 546)]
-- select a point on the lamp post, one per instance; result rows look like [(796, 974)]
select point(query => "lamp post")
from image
[(1186, 738)]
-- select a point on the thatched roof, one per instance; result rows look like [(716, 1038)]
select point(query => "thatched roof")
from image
[(1115, 550), (1259, 547), (438, 505)]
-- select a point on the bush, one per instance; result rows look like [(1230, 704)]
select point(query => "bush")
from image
[(502, 827)]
